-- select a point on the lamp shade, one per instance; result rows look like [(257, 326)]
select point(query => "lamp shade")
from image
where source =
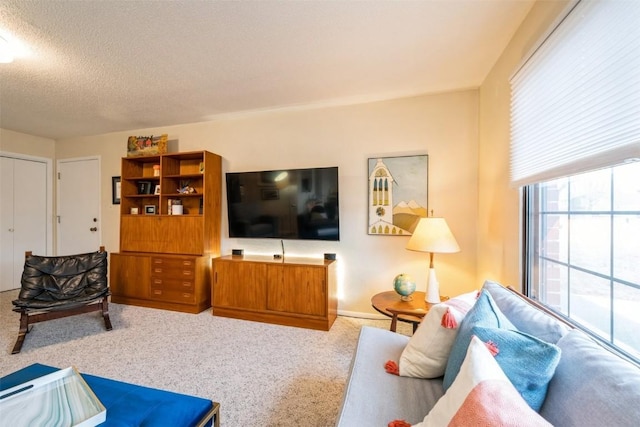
[(433, 235)]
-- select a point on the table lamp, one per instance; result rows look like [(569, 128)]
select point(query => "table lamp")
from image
[(434, 236)]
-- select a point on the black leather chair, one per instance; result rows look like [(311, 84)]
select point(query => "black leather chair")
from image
[(55, 287)]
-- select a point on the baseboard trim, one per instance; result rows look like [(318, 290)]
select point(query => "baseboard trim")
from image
[(360, 315)]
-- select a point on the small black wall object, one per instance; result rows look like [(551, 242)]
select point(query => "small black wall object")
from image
[(237, 252), (330, 256)]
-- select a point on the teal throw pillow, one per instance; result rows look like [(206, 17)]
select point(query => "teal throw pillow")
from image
[(528, 362), (484, 313)]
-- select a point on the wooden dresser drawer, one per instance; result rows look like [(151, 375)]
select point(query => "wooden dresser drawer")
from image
[(173, 268), (173, 296), (167, 283)]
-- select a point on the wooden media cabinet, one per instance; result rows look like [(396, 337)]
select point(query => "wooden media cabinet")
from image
[(298, 292)]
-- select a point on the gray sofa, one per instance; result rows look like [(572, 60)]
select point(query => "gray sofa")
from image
[(590, 387)]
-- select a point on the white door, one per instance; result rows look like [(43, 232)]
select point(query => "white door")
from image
[(78, 206), (24, 224)]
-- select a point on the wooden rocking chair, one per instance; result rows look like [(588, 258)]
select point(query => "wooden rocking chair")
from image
[(55, 287)]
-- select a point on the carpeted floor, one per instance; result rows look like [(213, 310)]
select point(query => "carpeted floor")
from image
[(262, 374)]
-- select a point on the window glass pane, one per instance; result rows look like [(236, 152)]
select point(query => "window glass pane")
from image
[(583, 255), (626, 187), (555, 195), (554, 243), (627, 318), (591, 191), (590, 302), (626, 248), (554, 287), (590, 240)]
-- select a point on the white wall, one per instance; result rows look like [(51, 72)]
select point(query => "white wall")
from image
[(443, 125)]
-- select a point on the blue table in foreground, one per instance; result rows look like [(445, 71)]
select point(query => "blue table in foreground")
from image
[(130, 405)]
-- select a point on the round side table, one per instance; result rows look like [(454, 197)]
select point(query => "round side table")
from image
[(390, 304)]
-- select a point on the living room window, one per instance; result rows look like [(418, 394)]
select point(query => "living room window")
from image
[(575, 153), (583, 251)]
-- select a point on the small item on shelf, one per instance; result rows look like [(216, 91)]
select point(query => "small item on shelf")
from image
[(156, 170), (172, 203), (134, 211), (201, 167), (185, 188), (144, 187)]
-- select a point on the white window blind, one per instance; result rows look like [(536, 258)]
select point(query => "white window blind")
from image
[(575, 103)]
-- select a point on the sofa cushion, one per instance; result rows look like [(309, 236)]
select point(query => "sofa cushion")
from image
[(485, 313), (372, 396), (524, 316), (427, 352), (481, 395), (592, 386), (528, 362)]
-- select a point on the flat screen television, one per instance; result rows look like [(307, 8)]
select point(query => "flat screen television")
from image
[(284, 204)]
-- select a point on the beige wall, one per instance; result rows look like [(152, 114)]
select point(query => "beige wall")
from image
[(21, 143), (444, 126), (499, 229)]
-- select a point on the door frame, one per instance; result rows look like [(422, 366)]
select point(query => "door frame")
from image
[(98, 188), (49, 190)]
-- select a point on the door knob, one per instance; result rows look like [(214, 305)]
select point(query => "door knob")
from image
[(93, 229)]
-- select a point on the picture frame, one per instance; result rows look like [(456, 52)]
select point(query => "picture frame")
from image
[(152, 145), (116, 190), (398, 194), (157, 189), (270, 194), (150, 209), (144, 187)]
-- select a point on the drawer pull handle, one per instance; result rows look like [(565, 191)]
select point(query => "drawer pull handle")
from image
[(186, 262), (186, 284), (157, 281), (157, 261), (157, 270), (187, 273), (157, 291), (186, 295)]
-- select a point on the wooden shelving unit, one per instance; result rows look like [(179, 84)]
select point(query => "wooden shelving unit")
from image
[(164, 259)]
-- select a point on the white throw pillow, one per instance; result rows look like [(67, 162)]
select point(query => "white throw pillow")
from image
[(482, 395), (426, 354)]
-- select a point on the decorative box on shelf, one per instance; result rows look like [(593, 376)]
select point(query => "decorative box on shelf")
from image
[(63, 395)]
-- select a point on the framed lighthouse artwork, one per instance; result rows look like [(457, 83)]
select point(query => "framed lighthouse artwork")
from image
[(398, 194)]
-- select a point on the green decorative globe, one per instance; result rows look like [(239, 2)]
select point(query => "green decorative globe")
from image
[(404, 285)]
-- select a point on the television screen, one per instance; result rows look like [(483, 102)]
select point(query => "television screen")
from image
[(284, 204)]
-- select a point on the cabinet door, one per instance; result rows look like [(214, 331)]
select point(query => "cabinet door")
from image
[(161, 234), (129, 275), (297, 289), (239, 284)]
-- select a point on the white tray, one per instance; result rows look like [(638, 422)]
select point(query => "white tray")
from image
[(61, 399)]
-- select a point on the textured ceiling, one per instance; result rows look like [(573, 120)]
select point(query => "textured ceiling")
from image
[(103, 66)]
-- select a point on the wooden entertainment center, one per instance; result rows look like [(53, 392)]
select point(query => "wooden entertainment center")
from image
[(165, 259), (291, 291)]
